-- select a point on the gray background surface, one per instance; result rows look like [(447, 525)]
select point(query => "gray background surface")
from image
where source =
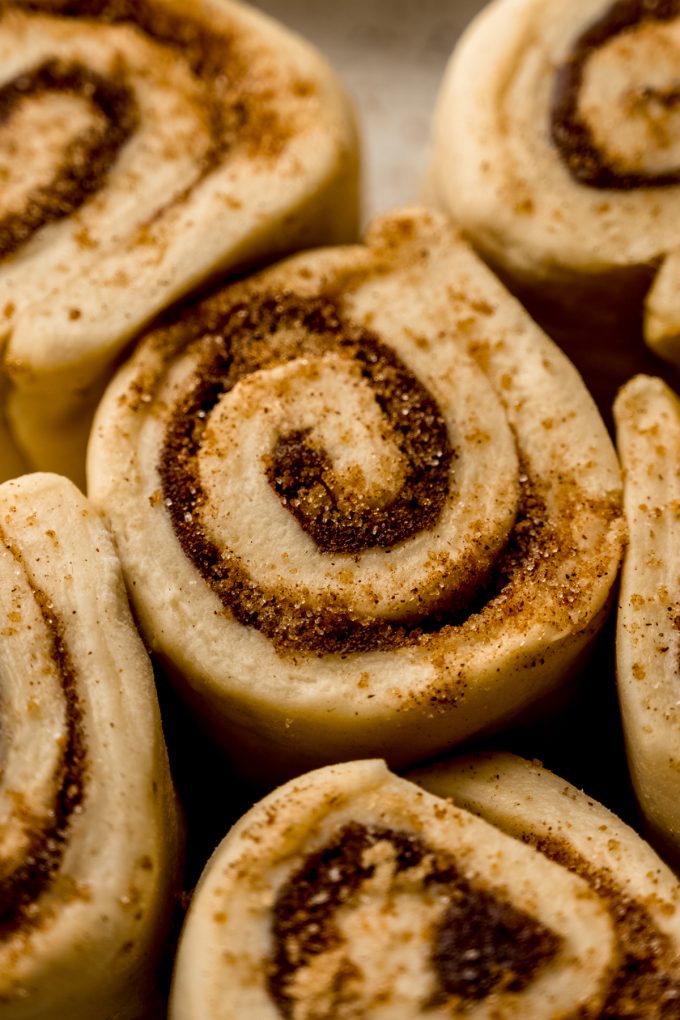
[(391, 55)]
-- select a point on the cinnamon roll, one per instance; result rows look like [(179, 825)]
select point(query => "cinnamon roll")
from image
[(639, 892), (363, 504), (88, 825), (557, 147), (648, 419), (352, 893), (146, 145)]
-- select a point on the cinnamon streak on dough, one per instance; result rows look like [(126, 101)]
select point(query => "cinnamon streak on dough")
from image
[(234, 112), (23, 883), (647, 981), (556, 149), (243, 338), (641, 894)]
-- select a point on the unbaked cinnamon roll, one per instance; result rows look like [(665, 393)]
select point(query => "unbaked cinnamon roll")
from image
[(88, 824), (352, 893), (557, 147), (144, 146), (648, 645), (640, 893), (363, 504)]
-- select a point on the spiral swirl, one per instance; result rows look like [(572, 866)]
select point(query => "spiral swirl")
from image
[(319, 471), (346, 509), (143, 148), (84, 904), (559, 154), (352, 892)]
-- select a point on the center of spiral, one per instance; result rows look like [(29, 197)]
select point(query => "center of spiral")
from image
[(345, 519), (615, 116), (86, 156), (319, 486), (377, 916)]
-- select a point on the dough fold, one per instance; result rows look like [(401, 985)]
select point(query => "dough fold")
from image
[(647, 641), (89, 838)]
